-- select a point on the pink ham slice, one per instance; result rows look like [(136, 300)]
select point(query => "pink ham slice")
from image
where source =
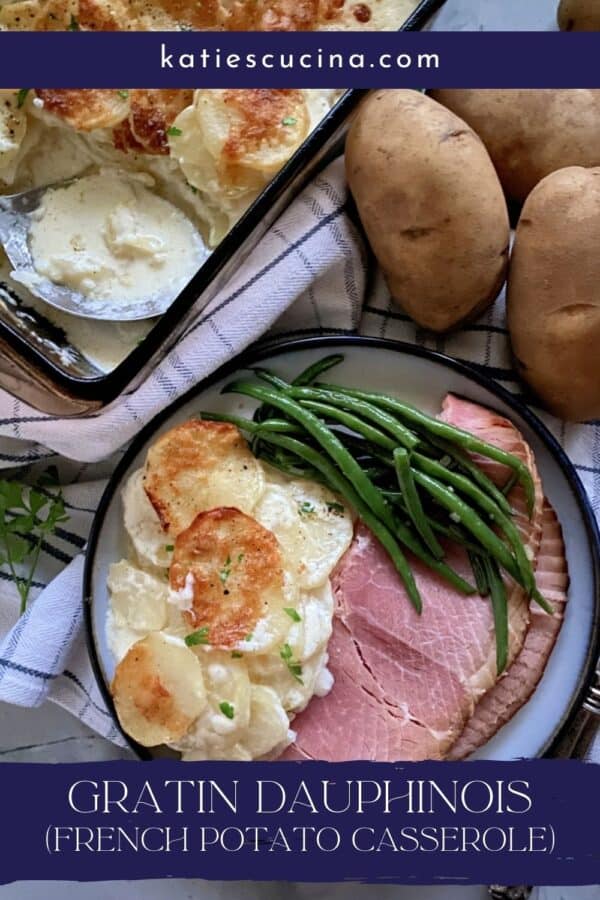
[(521, 679), (405, 685)]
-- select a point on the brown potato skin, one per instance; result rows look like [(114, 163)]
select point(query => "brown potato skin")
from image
[(531, 133), (579, 15), (431, 205), (553, 298)]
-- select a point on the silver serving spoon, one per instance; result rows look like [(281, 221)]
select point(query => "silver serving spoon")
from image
[(15, 224)]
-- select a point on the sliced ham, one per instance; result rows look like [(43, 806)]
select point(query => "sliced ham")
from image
[(518, 684), (406, 685)]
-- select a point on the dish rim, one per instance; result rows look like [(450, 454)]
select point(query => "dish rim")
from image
[(279, 346)]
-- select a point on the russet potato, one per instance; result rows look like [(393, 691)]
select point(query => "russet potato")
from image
[(579, 15), (531, 133), (553, 300), (431, 205)]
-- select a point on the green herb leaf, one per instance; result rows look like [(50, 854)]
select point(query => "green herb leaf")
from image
[(306, 509), (336, 508), (124, 95), (292, 613), (227, 709), (197, 637), (294, 667), (174, 132), (249, 637), (28, 515), (169, 547), (73, 24), (235, 654), (22, 97), (225, 571), (289, 120)]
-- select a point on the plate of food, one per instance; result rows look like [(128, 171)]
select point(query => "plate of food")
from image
[(344, 548)]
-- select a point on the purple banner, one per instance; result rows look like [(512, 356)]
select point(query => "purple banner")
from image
[(300, 59), (529, 822)]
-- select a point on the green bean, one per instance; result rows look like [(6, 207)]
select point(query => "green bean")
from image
[(470, 520), (479, 572), (507, 488), (500, 610), (307, 376), (361, 408), (348, 420), (462, 483), (318, 368), (412, 502), (282, 426), (470, 468), (464, 439)]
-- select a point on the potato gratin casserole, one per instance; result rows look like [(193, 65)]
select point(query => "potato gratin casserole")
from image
[(208, 152), (221, 613), (206, 15)]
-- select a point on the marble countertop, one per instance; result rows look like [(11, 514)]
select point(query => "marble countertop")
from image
[(50, 734)]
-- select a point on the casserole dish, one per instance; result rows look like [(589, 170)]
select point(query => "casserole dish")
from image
[(39, 365)]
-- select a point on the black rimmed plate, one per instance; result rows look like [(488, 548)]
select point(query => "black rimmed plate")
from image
[(421, 377)]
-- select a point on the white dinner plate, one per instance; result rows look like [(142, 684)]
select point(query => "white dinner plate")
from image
[(422, 378)]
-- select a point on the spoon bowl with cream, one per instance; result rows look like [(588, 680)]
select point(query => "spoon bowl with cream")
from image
[(101, 246)]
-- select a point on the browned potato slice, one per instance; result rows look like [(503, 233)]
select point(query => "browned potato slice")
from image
[(239, 137), (198, 466), (86, 110), (158, 690), (152, 112), (233, 566)]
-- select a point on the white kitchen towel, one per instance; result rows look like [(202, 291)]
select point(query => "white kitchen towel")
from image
[(309, 274)]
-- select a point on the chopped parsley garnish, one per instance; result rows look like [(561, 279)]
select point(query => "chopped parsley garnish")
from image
[(124, 95), (292, 613), (169, 547), (235, 654), (193, 189), (294, 667), (73, 24), (240, 557), (174, 132), (306, 509), (225, 571), (22, 97), (197, 637), (227, 709), (336, 508), (289, 120), (249, 637)]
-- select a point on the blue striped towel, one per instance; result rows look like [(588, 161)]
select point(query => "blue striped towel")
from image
[(308, 275)]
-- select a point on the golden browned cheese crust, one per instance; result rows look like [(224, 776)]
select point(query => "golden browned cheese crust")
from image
[(86, 110), (205, 15), (236, 565)]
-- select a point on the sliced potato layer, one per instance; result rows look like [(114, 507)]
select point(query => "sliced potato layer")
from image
[(198, 466), (149, 539), (312, 526), (238, 578), (239, 138), (158, 690), (138, 598), (13, 125), (86, 110)]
